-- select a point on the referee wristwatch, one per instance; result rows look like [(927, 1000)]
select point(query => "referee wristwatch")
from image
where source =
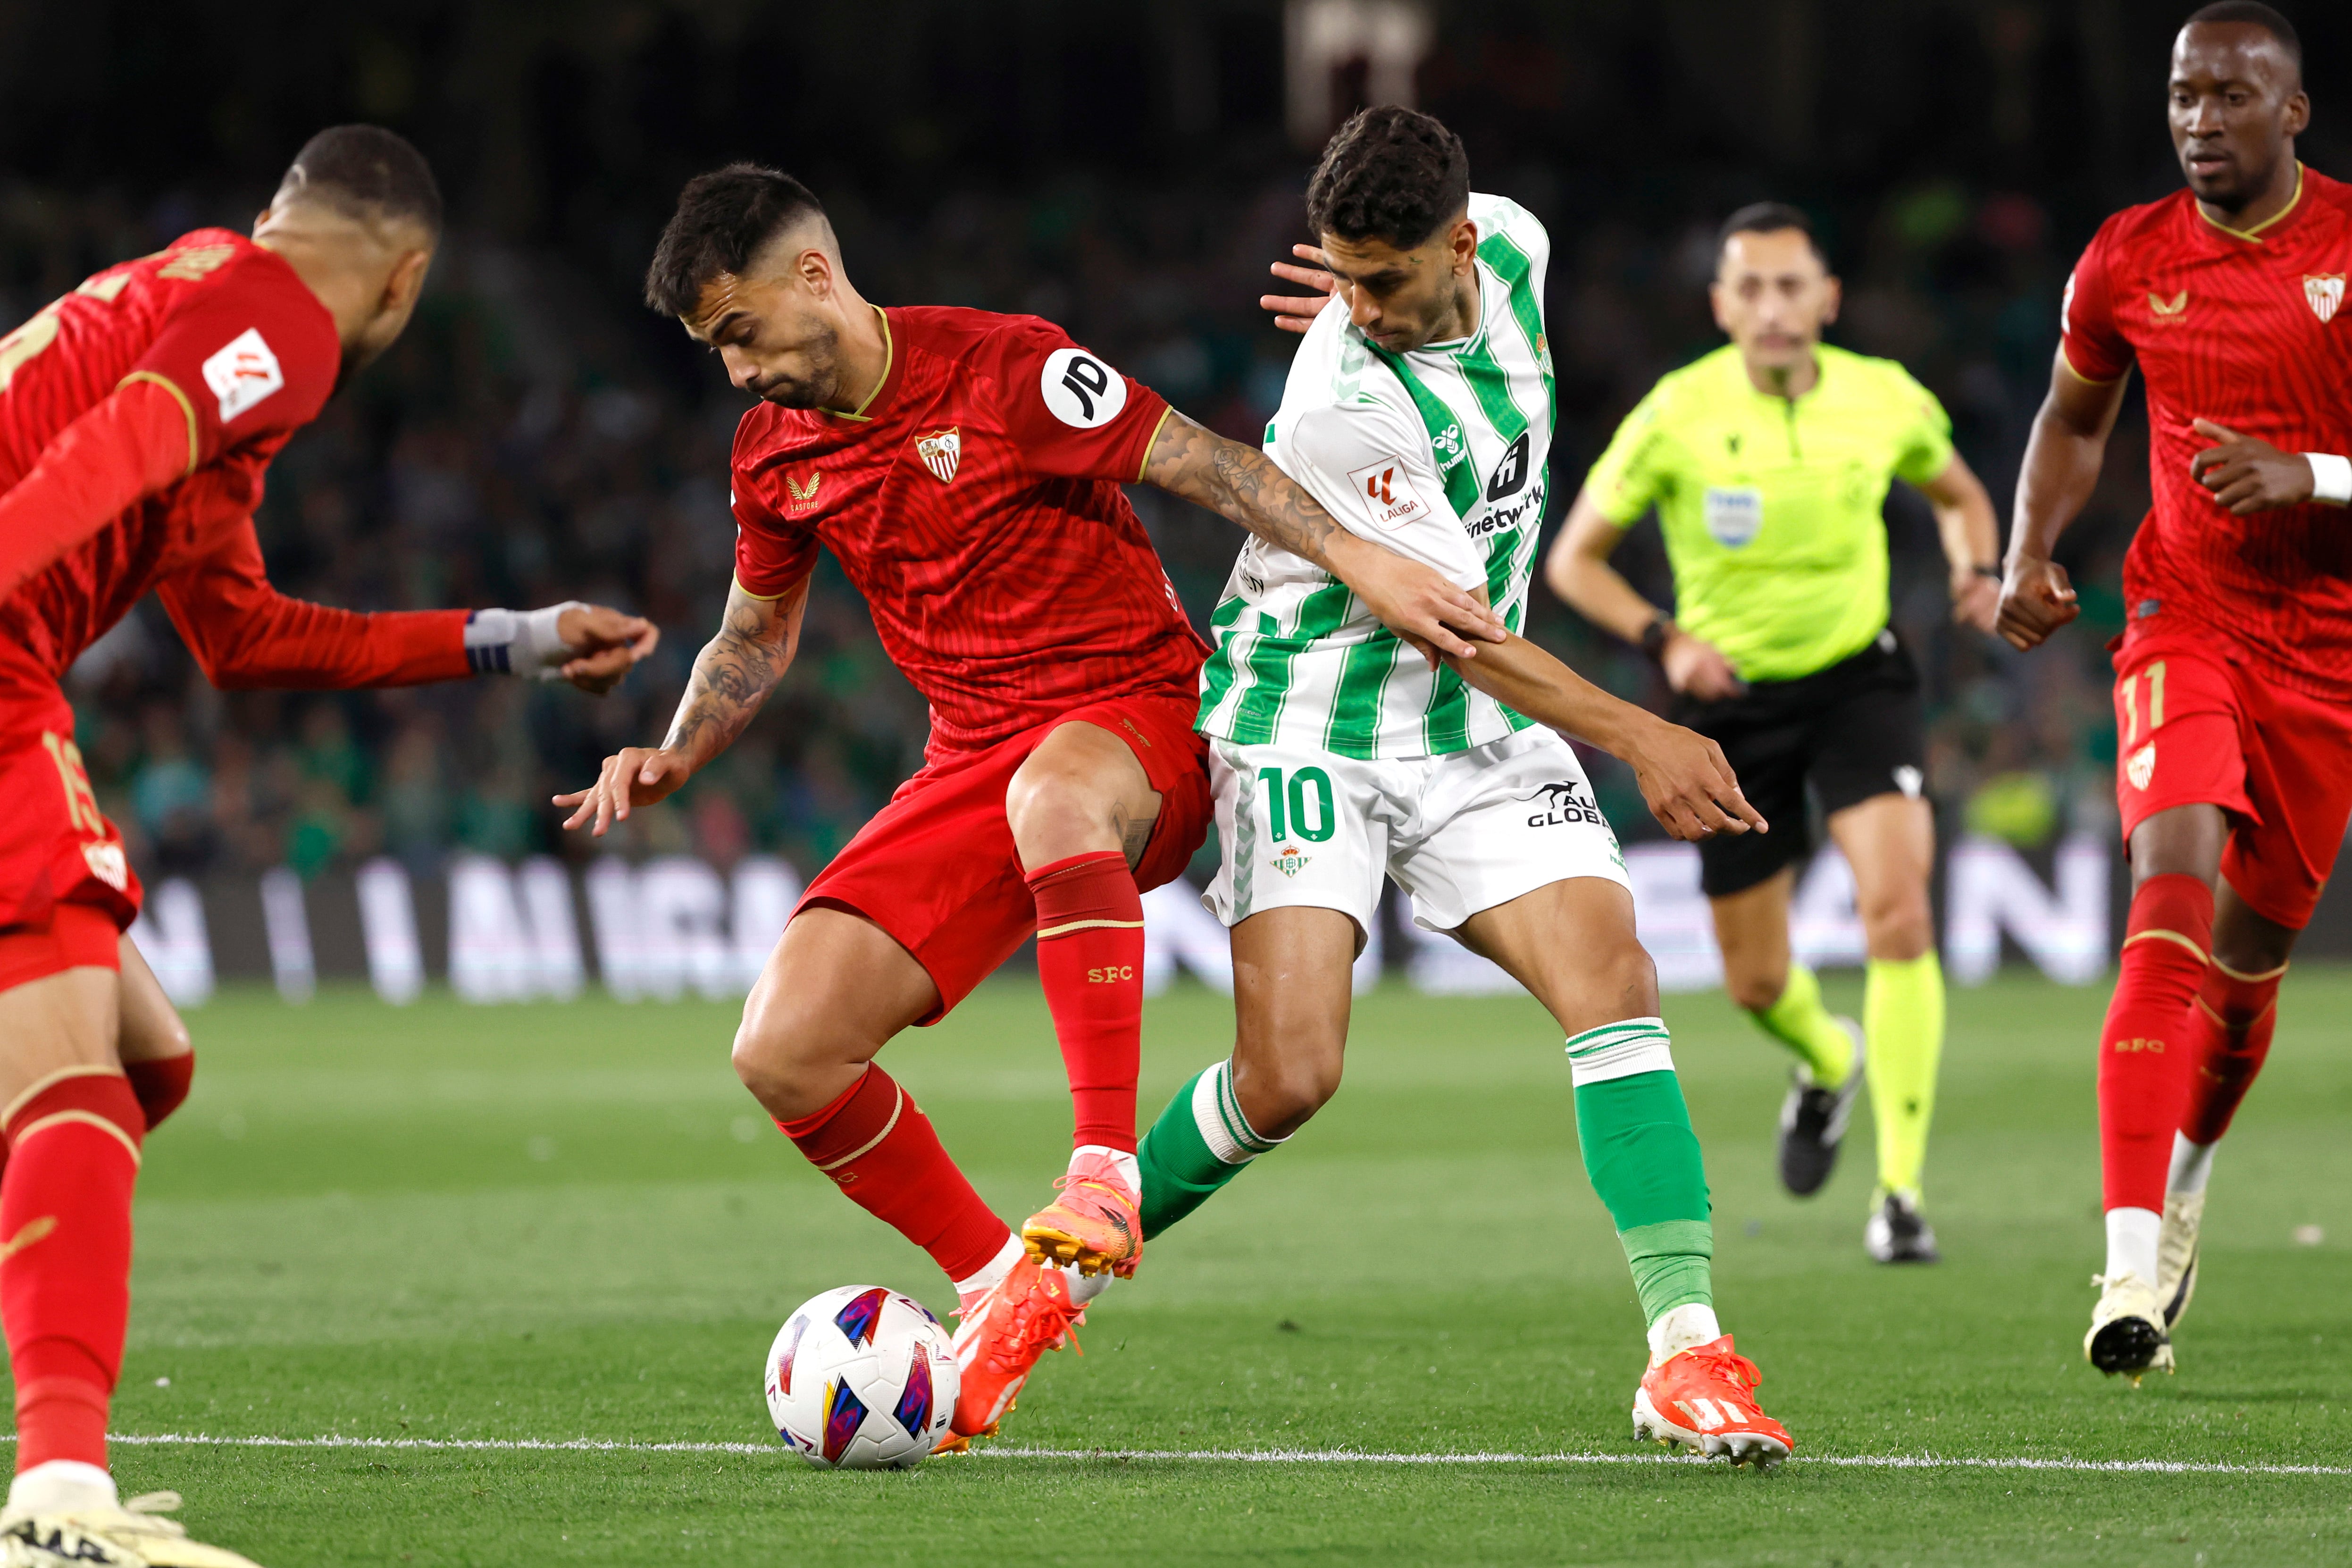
[(1655, 635)]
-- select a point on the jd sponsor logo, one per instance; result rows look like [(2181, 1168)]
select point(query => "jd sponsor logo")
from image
[(1560, 804), (1288, 860)]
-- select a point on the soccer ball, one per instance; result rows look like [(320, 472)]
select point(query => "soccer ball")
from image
[(862, 1378)]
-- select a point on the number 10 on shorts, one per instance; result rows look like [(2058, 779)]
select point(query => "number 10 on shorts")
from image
[(1287, 810)]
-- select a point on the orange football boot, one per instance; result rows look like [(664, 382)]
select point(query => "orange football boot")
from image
[(998, 1337), (1704, 1399), (1096, 1223)]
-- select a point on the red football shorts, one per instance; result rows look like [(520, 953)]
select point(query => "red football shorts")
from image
[(937, 870), (67, 889), (2196, 728)]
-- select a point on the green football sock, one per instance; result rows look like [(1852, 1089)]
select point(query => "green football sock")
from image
[(1644, 1161), (1903, 1016), (1798, 1021), (1201, 1141)]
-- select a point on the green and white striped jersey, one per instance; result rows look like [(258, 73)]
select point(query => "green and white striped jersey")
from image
[(1439, 455)]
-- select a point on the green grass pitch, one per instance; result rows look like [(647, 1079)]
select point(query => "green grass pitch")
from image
[(560, 1222)]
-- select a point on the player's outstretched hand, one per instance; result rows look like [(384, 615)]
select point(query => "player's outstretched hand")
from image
[(1416, 602), (1697, 669), (2036, 599), (609, 646), (639, 775), (1687, 784), (2247, 474), (1296, 312)]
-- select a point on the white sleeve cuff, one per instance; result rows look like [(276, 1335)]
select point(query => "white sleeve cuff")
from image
[(2331, 477), (517, 642)]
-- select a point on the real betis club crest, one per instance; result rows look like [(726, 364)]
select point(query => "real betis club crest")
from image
[(2325, 293), (940, 450), (1288, 860)]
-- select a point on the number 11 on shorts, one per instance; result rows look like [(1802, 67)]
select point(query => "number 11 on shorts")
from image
[(1287, 810)]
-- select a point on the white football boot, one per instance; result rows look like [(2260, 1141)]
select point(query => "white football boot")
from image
[(2176, 1254), (64, 1512), (2127, 1335)]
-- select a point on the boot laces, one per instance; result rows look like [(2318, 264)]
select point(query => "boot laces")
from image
[(1729, 1366), (1040, 1323)]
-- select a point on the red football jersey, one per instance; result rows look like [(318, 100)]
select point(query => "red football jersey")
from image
[(975, 501), (250, 355), (2240, 328)]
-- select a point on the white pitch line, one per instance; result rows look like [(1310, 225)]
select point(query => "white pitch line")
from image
[(1232, 1455)]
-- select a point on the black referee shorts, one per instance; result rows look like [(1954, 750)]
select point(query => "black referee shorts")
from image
[(1852, 730)]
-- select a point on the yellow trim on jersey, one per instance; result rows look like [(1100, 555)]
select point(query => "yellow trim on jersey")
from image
[(889, 353), (763, 599), (186, 407), (2087, 380), (2253, 235), (1153, 442)]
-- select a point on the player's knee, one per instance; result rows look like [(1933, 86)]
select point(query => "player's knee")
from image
[(1898, 925), (788, 1062), (1626, 973), (1280, 1090)]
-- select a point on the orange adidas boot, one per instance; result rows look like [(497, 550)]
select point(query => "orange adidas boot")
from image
[(1704, 1399), (1096, 1225)]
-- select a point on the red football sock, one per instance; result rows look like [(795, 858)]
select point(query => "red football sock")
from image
[(1090, 961), (877, 1144), (65, 1258), (2143, 1052), (2229, 1035), (161, 1085)]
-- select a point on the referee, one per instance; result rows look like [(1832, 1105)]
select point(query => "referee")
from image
[(1768, 463)]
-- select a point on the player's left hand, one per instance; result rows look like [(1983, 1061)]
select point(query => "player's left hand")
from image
[(1975, 599), (1296, 312), (1688, 784), (2247, 474), (607, 644)]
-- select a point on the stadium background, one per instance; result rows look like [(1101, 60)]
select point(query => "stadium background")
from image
[(539, 434)]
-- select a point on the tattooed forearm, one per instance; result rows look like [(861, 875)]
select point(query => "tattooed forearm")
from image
[(1240, 483), (735, 671)]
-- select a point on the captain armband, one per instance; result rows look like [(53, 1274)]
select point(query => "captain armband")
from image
[(519, 642), (2331, 478)]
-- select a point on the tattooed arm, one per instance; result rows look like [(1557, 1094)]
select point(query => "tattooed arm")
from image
[(732, 676), (1242, 483)]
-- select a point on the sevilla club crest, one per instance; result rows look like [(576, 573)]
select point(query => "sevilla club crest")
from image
[(2325, 293), (940, 451)]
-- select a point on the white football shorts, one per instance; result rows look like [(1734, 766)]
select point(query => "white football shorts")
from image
[(1460, 832)]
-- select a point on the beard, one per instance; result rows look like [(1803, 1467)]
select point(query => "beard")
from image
[(821, 386)]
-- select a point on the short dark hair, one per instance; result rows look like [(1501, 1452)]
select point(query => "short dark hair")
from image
[(2253, 13), (723, 219), (367, 172), (1770, 218), (1390, 173)]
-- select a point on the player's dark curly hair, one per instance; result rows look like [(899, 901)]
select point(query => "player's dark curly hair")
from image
[(722, 220), (1770, 218), (366, 171), (1392, 174), (2253, 13)]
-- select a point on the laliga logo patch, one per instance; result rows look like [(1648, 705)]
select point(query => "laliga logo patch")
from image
[(1389, 497), (2142, 766), (940, 451), (2325, 294), (1288, 860), (242, 373), (1081, 390)]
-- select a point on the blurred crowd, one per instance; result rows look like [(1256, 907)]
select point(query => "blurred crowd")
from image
[(538, 437)]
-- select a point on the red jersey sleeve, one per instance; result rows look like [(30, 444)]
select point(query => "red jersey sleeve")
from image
[(251, 354), (771, 556), (245, 634), (1070, 414), (2094, 347)]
